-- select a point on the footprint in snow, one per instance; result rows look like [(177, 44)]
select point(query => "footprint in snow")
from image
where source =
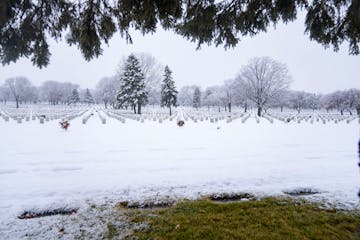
[(7, 171), (66, 169)]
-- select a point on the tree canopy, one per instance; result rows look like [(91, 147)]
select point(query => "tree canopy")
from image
[(26, 25)]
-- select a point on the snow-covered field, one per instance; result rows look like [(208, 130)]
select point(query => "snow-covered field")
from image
[(44, 167)]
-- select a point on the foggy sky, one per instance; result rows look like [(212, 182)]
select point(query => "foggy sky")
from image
[(312, 67)]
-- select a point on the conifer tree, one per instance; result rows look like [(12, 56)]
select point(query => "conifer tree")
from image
[(88, 97), (168, 90), (74, 98), (132, 90), (27, 26), (197, 98)]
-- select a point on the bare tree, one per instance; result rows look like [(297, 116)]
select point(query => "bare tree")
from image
[(282, 100), (353, 100), (214, 96), (106, 90), (186, 94), (264, 79), (197, 98), (153, 74), (49, 92), (5, 93), (298, 100), (336, 100), (229, 89), (313, 101), (343, 100), (20, 88), (32, 95)]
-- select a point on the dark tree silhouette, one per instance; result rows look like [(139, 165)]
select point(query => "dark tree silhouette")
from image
[(26, 24)]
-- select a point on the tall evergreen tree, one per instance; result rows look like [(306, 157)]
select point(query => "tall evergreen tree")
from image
[(75, 97), (88, 97), (132, 90), (197, 98), (168, 90)]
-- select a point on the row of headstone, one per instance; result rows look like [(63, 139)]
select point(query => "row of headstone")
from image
[(173, 116), (74, 115), (323, 119), (344, 118), (268, 118), (5, 117), (115, 116), (102, 118), (243, 120), (229, 120), (350, 119), (86, 118), (282, 119)]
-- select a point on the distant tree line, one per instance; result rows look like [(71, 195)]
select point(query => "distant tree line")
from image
[(264, 83), (221, 98), (140, 80), (22, 91)]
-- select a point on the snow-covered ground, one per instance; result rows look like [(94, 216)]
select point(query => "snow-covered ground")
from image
[(44, 167)]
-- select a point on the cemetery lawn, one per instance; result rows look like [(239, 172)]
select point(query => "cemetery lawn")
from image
[(47, 171)]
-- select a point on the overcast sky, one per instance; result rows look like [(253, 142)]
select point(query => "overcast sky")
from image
[(312, 67)]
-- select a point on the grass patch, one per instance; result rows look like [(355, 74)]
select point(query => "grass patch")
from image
[(268, 218), (112, 231)]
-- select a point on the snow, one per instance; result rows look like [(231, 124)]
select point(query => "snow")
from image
[(44, 167)]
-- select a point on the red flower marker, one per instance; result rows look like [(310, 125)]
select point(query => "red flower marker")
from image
[(64, 124)]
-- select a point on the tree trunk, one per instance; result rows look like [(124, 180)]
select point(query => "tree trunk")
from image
[(281, 108), (259, 111), (358, 110), (245, 107), (341, 112), (229, 106), (170, 109), (17, 103), (298, 110), (134, 106), (219, 109), (105, 104), (139, 108)]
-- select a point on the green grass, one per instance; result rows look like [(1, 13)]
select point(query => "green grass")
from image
[(268, 218), (112, 231)]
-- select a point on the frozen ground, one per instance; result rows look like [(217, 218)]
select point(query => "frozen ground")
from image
[(43, 167)]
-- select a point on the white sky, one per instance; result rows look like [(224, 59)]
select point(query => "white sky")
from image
[(312, 67)]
